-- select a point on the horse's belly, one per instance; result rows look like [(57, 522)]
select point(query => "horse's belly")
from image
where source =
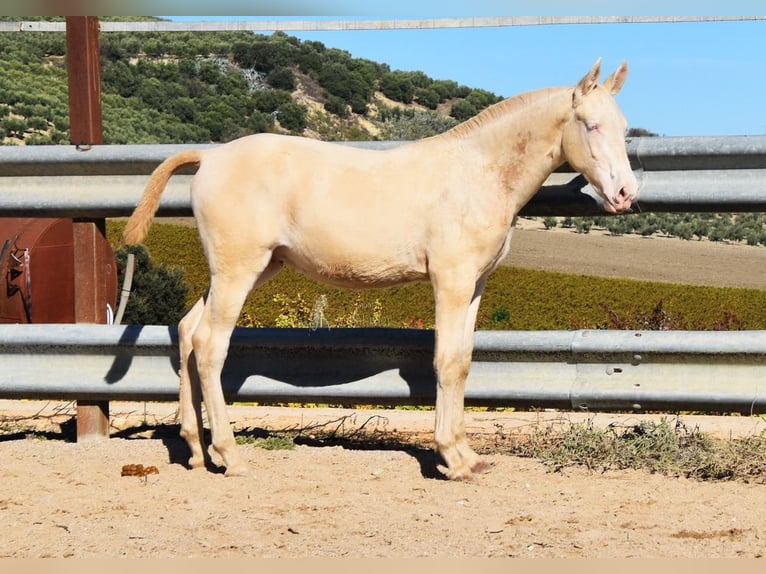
[(356, 270)]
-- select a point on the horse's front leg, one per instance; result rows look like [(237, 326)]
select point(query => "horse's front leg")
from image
[(456, 309)]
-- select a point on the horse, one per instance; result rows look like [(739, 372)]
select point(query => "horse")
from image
[(439, 209)]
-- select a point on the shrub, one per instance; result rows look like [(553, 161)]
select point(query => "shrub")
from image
[(550, 222), (158, 293), (292, 116), (281, 79), (462, 110), (13, 127)]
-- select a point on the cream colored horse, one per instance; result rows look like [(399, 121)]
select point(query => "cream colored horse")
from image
[(440, 209)]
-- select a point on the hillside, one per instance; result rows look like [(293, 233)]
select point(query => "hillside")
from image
[(183, 87)]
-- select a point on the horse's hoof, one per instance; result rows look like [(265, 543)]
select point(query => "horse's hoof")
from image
[(241, 471), (196, 462), (462, 475), (482, 466)]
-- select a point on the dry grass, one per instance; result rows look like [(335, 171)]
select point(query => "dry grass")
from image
[(666, 447)]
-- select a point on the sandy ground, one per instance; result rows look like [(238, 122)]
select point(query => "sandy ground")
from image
[(66, 499), (60, 498)]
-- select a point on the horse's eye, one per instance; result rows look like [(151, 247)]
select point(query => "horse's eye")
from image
[(592, 127)]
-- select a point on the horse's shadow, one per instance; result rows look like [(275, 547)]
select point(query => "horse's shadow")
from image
[(178, 450), (300, 365)]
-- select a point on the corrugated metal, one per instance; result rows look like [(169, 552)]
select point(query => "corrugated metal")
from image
[(582, 370)]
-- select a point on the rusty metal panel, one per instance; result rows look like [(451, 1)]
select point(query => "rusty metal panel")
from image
[(55, 271), (37, 270), (84, 78), (95, 273)]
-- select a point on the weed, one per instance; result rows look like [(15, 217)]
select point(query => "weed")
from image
[(666, 447), (271, 442)]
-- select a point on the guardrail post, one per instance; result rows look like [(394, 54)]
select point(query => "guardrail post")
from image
[(84, 79)]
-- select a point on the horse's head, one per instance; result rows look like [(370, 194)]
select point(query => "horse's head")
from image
[(594, 139)]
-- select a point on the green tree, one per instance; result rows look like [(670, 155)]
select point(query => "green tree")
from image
[(463, 110), (292, 116), (397, 86), (13, 127), (281, 79), (158, 293), (640, 132), (427, 97)]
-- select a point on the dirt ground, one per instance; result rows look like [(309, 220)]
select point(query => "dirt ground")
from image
[(654, 258), (60, 498), (383, 499)]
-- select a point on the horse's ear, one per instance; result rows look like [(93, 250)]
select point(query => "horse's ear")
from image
[(614, 82), (588, 82)]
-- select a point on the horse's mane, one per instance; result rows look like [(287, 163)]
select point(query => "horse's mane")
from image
[(510, 106)]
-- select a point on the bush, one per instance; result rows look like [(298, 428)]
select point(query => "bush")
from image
[(427, 97), (292, 116), (550, 222), (463, 110), (281, 79), (158, 293), (337, 106), (14, 127), (397, 86)]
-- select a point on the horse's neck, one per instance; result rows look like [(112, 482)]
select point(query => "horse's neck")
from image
[(521, 138)]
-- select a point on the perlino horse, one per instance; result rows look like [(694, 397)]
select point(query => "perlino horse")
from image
[(439, 209)]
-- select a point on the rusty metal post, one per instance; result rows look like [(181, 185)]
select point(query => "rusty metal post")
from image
[(84, 78), (85, 126)]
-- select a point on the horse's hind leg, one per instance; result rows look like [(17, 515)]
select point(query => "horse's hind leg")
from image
[(228, 290), (189, 396)]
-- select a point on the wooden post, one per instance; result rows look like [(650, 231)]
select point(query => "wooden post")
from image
[(86, 130)]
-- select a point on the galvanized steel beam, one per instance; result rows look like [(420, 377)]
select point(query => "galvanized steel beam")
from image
[(699, 174), (583, 370)]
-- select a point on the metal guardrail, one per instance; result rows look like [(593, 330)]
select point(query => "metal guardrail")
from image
[(584, 370), (581, 370), (687, 174)]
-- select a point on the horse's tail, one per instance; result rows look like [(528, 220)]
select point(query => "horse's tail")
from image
[(141, 219)]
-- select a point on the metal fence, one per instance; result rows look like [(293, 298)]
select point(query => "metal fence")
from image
[(675, 174), (581, 370), (592, 370)]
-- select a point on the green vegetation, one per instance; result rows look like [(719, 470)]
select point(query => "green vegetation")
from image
[(266, 441), (514, 299), (158, 292), (666, 447), (196, 87), (747, 228)]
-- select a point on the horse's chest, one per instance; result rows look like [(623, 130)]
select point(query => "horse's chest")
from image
[(498, 252)]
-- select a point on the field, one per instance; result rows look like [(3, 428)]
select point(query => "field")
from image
[(553, 280), (652, 258), (377, 494)]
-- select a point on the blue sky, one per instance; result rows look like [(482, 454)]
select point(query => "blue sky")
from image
[(684, 79)]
